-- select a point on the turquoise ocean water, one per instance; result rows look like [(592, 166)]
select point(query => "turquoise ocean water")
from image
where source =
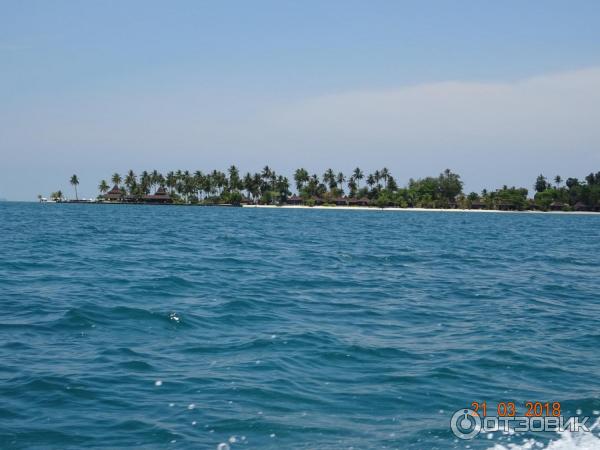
[(189, 327)]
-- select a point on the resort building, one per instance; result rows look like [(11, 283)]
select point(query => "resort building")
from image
[(114, 195), (358, 201), (294, 200), (161, 196)]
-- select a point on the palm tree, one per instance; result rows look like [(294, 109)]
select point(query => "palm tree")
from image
[(540, 183), (257, 184), (377, 176), (171, 181), (247, 184), (116, 179), (358, 175), (301, 177), (282, 187), (341, 179), (266, 173), (145, 182), (329, 178), (74, 182), (385, 174), (235, 183), (154, 178), (130, 181), (103, 187), (352, 186), (371, 180), (557, 180)]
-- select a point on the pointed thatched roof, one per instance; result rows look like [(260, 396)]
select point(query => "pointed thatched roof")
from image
[(115, 190), (161, 191), (114, 194)]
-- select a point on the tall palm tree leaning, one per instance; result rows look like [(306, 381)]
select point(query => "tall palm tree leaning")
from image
[(74, 182)]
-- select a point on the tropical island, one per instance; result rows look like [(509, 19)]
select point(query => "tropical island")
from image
[(378, 189)]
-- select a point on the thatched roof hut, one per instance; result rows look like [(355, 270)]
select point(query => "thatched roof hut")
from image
[(160, 196), (580, 206), (114, 195), (294, 200), (364, 201)]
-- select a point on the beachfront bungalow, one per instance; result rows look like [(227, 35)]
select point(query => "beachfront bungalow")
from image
[(340, 201), (557, 206), (580, 206), (358, 201), (294, 200), (477, 205), (505, 206), (131, 199), (114, 195), (161, 196)]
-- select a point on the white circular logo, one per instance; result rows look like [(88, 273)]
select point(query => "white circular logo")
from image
[(465, 424)]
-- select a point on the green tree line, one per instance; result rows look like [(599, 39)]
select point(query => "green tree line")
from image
[(379, 188)]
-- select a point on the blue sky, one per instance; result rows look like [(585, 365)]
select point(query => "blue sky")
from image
[(498, 91)]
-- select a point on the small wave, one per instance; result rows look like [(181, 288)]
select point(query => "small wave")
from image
[(566, 441), (137, 366)]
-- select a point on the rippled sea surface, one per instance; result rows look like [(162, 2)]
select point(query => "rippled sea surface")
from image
[(128, 326)]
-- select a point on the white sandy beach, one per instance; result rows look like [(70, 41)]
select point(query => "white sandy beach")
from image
[(371, 208)]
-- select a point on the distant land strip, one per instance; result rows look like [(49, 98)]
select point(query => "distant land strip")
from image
[(378, 189)]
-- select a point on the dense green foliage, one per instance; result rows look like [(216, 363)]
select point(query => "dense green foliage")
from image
[(575, 194), (334, 188)]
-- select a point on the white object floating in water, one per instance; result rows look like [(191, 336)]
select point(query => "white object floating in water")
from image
[(191, 406), (223, 446), (272, 435), (158, 383), (233, 439)]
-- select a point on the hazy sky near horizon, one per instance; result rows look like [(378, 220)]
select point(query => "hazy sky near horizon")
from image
[(496, 91)]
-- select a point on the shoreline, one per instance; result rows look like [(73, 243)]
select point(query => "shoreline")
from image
[(332, 208), (391, 208)]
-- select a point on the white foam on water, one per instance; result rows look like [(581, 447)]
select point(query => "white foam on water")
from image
[(566, 441)]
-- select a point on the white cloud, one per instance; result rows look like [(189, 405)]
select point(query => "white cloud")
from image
[(550, 113), (492, 133)]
